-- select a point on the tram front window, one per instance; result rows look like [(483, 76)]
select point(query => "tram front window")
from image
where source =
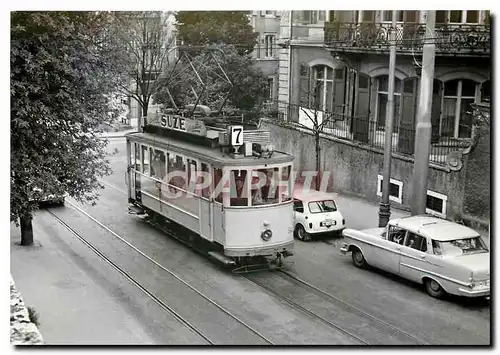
[(285, 187), (239, 195), (264, 184)]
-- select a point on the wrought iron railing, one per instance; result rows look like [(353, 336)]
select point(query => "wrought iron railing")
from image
[(449, 38), (370, 133)]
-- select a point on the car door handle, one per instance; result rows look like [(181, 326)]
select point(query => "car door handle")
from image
[(422, 256), (398, 249)]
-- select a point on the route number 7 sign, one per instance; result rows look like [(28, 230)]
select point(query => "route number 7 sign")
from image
[(236, 135)]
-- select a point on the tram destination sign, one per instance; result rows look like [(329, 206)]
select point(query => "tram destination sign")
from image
[(182, 124)]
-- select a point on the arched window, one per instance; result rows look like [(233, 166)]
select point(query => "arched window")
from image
[(456, 116)]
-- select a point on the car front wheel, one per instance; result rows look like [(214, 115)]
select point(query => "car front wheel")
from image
[(358, 259), (434, 289)]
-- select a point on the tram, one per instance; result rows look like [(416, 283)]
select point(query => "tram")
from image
[(225, 189)]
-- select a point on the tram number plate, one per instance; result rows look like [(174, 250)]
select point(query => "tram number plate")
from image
[(236, 135)]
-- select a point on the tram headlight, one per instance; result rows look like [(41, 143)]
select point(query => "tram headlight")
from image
[(266, 235)]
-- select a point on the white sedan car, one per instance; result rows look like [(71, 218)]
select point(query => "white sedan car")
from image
[(444, 256), (316, 213)]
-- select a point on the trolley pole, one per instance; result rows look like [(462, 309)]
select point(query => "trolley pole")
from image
[(424, 128), (385, 208)]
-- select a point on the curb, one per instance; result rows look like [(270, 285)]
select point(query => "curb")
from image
[(22, 330)]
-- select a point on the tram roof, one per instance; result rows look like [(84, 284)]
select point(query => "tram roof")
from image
[(206, 153)]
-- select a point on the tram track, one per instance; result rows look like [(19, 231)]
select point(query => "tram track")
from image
[(250, 331), (359, 317), (338, 314)]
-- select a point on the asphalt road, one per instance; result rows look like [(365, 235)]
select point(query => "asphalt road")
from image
[(372, 306), (394, 300)]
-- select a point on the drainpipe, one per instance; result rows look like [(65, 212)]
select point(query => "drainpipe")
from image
[(289, 67)]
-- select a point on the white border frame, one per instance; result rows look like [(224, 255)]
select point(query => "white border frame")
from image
[(442, 197), (398, 199)]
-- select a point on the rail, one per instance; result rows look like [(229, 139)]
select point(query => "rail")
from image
[(161, 303), (449, 38), (369, 132)]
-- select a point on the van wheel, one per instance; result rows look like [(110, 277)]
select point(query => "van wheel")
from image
[(434, 289), (358, 259), (301, 233)]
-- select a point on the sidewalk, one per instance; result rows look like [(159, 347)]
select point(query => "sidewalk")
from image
[(120, 130), (79, 299)]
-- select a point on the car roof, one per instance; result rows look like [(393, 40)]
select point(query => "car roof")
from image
[(435, 228), (312, 195)]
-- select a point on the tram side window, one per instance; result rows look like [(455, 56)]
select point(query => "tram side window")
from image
[(191, 175), (238, 191), (216, 188), (178, 179), (170, 163), (204, 181), (137, 157), (286, 179), (264, 184), (145, 160), (157, 163)]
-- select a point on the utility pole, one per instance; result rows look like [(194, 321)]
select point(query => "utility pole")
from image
[(424, 128), (289, 113), (385, 207)]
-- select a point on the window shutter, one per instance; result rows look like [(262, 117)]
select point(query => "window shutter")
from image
[(406, 141), (339, 91), (361, 121)]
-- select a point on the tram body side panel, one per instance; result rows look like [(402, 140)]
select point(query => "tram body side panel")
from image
[(244, 228)]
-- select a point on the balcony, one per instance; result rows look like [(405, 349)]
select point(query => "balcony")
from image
[(450, 39)]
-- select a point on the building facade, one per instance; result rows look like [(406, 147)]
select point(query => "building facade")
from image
[(267, 25), (334, 66)]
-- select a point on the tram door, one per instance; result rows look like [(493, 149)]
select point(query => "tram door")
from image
[(130, 169), (137, 179)]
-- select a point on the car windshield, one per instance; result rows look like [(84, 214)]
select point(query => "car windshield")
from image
[(322, 206), (458, 247)]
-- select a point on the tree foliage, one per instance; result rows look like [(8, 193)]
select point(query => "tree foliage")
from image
[(201, 28), (148, 41), (221, 77), (64, 68)]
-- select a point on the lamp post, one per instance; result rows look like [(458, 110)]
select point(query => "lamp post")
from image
[(385, 208)]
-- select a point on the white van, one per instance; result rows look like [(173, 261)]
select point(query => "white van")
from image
[(315, 213)]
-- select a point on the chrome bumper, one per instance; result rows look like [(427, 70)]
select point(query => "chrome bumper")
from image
[(344, 249), (482, 292)]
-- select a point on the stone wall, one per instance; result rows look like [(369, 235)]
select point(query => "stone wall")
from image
[(354, 169), (22, 330), (477, 198)]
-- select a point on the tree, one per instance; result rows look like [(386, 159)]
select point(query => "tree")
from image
[(148, 40), (318, 116), (227, 79), (64, 67), (200, 28)]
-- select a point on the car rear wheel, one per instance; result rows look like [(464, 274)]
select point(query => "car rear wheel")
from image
[(358, 259), (301, 233), (434, 289)]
